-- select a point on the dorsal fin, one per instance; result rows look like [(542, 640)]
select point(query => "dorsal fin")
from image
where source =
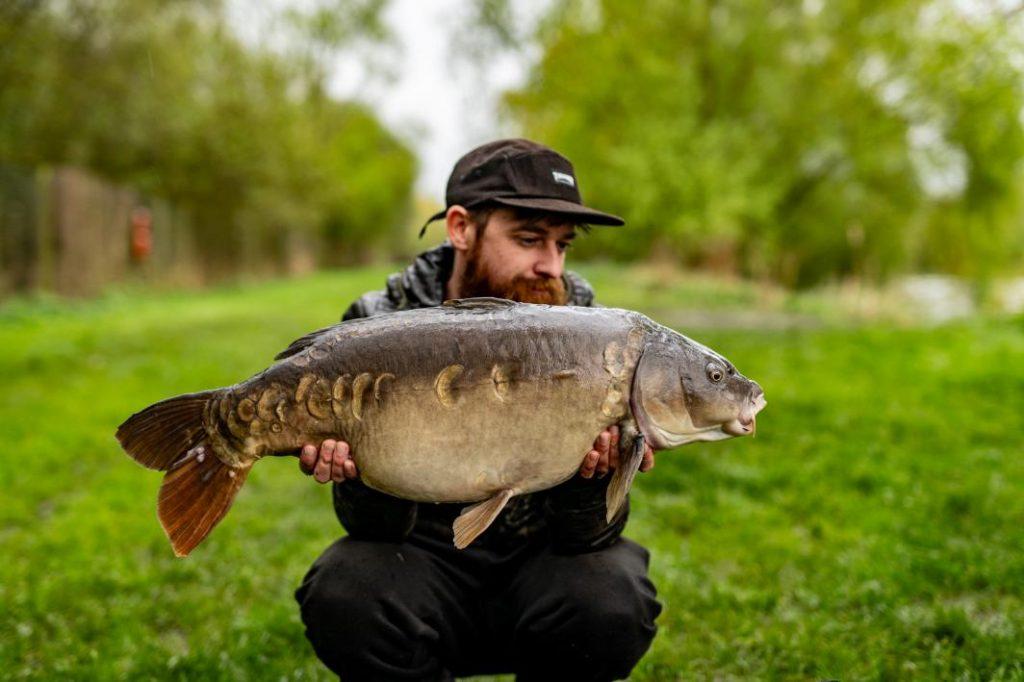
[(482, 302), (302, 343)]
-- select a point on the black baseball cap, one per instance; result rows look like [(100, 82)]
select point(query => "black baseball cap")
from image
[(520, 174)]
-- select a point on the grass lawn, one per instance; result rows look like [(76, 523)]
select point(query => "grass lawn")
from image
[(874, 529)]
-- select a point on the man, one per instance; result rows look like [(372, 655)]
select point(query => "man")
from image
[(550, 590)]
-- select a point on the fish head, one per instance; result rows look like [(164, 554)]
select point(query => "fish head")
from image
[(685, 392)]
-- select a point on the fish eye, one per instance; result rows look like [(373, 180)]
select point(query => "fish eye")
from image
[(715, 373)]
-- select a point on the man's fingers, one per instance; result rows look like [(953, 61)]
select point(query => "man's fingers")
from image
[(589, 463), (648, 462), (344, 468), (340, 454), (602, 447), (613, 447), (307, 458), (322, 471)]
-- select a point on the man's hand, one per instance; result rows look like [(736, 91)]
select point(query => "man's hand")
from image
[(333, 461), (605, 455)]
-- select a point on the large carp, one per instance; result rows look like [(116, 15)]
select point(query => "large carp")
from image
[(474, 401)]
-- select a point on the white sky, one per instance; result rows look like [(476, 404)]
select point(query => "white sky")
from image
[(439, 105)]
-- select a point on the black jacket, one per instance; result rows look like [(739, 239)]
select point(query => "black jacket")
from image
[(570, 515)]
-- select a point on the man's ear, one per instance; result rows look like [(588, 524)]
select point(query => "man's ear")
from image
[(461, 230)]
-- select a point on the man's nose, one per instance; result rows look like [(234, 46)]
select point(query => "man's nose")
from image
[(550, 263)]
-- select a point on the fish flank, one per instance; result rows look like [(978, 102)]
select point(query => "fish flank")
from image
[(266, 402), (378, 385), (246, 410), (318, 403), (444, 385), (359, 386), (502, 381), (339, 393), (305, 383)]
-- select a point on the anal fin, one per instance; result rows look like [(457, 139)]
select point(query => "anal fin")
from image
[(475, 519), (618, 488)]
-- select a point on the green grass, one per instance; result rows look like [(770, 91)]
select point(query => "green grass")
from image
[(874, 529)]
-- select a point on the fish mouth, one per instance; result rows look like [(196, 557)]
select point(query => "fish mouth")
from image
[(746, 423), (740, 427)]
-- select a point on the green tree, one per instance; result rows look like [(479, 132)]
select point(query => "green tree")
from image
[(793, 140), (161, 95)]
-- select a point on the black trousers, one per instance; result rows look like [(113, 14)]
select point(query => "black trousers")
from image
[(424, 610)]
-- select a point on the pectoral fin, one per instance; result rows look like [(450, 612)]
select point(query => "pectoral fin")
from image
[(475, 519), (632, 457)]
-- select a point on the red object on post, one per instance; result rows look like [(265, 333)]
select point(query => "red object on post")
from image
[(141, 242)]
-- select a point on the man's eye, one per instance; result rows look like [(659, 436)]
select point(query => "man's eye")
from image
[(526, 241), (565, 246)]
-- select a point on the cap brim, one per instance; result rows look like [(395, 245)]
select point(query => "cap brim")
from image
[(577, 212), (437, 216)]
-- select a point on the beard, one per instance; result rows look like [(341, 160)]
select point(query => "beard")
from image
[(479, 281)]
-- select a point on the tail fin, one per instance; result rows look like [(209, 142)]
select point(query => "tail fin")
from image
[(196, 494), (164, 432), (198, 488)]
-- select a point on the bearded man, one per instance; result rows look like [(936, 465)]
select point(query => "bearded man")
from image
[(550, 590)]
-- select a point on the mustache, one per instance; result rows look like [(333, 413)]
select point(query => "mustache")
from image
[(479, 282), (550, 291)]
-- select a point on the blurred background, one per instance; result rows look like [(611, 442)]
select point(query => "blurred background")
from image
[(800, 144), (829, 193)]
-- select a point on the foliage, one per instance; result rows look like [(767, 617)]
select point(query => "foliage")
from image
[(162, 96), (793, 140), (870, 531)]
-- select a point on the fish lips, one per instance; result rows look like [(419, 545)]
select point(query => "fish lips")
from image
[(746, 423), (740, 427)]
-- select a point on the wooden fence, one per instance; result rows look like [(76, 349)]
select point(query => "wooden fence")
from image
[(67, 231)]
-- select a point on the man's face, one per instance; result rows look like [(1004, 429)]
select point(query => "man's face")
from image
[(519, 259)]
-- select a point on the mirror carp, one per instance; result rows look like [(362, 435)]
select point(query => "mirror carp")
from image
[(473, 401)]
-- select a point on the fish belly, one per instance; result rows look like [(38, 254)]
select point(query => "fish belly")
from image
[(468, 448)]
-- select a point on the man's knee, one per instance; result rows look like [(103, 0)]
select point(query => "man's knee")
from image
[(595, 611), (343, 580), (357, 619), (607, 632)]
